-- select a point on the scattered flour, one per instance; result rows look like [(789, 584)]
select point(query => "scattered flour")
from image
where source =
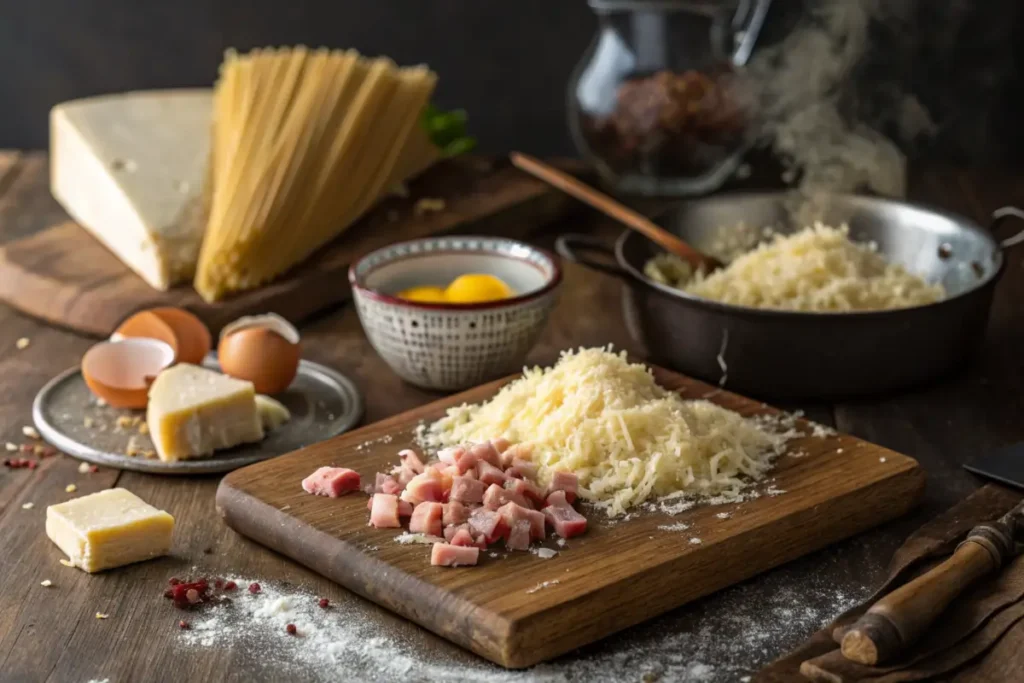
[(715, 640), (695, 541), (882, 459), (544, 553), (678, 526), (724, 515), (406, 538)]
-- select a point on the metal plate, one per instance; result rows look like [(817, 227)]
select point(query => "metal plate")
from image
[(323, 403)]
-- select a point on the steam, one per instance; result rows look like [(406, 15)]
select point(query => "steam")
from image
[(805, 90)]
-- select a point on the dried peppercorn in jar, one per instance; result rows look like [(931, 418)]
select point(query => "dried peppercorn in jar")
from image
[(657, 103)]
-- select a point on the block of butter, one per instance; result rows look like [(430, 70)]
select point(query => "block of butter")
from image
[(193, 412), (109, 529)]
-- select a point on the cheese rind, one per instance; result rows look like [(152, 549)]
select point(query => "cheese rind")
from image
[(193, 412), (131, 169), (109, 529)]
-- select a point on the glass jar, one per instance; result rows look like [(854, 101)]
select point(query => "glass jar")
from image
[(656, 104)]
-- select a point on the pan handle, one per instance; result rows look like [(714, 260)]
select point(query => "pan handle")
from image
[(999, 216), (575, 247)]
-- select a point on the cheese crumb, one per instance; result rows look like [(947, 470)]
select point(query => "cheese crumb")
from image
[(88, 422), (23, 343), (11, 446), (882, 459), (30, 432), (144, 428), (28, 506), (70, 488), (83, 468), (46, 584), (67, 563), (101, 615), (723, 515), (695, 541)]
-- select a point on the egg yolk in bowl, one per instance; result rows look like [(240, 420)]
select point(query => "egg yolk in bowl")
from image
[(471, 288)]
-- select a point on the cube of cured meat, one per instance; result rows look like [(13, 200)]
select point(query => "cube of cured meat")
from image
[(411, 459), (331, 482), (454, 512), (384, 511), (564, 481), (523, 469), (487, 523), (489, 474), (447, 555), (520, 451), (467, 491), (462, 537), (519, 536), (496, 496), (565, 520), (426, 519), (452, 529), (485, 452), (500, 445), (404, 509), (427, 486), (519, 487), (386, 484), (513, 513)]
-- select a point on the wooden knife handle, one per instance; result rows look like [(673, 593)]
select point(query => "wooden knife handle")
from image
[(898, 619)]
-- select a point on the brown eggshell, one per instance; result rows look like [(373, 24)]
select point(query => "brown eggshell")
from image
[(120, 372), (148, 325), (261, 356), (194, 340)]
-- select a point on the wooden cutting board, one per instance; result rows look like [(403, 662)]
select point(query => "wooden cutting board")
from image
[(612, 577), (65, 276)]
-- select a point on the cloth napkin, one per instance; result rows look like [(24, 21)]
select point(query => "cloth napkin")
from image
[(979, 638)]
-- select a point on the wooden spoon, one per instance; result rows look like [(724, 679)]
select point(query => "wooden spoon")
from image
[(614, 210)]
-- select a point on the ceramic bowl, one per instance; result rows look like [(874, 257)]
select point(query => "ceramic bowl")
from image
[(454, 346)]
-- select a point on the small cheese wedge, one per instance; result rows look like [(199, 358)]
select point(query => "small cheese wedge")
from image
[(131, 168), (272, 412), (109, 529), (193, 412)]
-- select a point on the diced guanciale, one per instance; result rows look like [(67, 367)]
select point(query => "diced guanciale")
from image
[(331, 482), (565, 520), (448, 555), (489, 474), (565, 481), (384, 511), (411, 459), (519, 536), (467, 491), (454, 512), (426, 519)]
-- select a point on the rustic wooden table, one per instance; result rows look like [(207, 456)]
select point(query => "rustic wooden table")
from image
[(53, 633)]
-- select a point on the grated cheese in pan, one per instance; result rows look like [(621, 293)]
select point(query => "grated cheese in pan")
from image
[(816, 269), (627, 439)]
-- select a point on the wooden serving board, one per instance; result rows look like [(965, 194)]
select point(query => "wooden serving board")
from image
[(610, 578), (65, 276)]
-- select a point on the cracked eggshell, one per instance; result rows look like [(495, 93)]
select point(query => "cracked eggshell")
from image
[(263, 349), (120, 372)]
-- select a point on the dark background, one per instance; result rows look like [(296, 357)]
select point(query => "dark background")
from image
[(507, 64)]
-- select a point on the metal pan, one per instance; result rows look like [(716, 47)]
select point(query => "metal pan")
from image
[(788, 354)]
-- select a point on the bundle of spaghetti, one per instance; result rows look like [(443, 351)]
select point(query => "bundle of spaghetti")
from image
[(305, 142)]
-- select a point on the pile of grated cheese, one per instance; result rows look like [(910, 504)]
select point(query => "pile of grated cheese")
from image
[(816, 269), (628, 440)]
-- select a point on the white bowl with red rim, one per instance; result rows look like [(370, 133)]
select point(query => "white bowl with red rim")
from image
[(445, 346)]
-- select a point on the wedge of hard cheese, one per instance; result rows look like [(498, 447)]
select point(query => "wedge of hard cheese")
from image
[(109, 529), (131, 169), (193, 412)]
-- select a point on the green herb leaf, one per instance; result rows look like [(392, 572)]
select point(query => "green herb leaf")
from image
[(447, 130)]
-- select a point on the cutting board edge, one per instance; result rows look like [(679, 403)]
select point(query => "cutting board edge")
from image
[(486, 643), (913, 475), (500, 642)]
